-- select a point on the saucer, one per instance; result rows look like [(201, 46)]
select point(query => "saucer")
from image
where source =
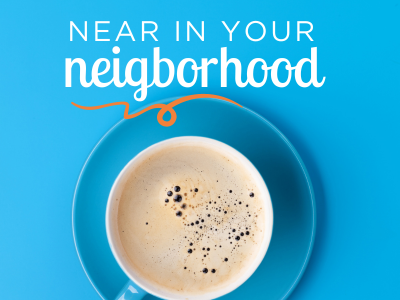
[(270, 152)]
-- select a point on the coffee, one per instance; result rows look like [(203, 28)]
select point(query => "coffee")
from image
[(190, 218)]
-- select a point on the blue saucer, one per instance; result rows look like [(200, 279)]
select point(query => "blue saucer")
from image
[(272, 154)]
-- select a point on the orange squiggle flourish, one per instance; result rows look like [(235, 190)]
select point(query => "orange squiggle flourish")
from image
[(163, 107)]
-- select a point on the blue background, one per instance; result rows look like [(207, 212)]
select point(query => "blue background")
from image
[(347, 131)]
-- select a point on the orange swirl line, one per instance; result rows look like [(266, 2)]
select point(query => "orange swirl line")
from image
[(163, 107)]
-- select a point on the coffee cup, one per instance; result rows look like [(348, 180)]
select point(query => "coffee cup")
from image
[(188, 218)]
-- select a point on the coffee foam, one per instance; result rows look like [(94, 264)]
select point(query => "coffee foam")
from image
[(157, 242)]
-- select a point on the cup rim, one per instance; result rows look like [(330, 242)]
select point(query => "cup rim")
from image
[(254, 264)]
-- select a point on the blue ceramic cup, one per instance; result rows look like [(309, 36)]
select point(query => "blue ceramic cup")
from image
[(138, 286)]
